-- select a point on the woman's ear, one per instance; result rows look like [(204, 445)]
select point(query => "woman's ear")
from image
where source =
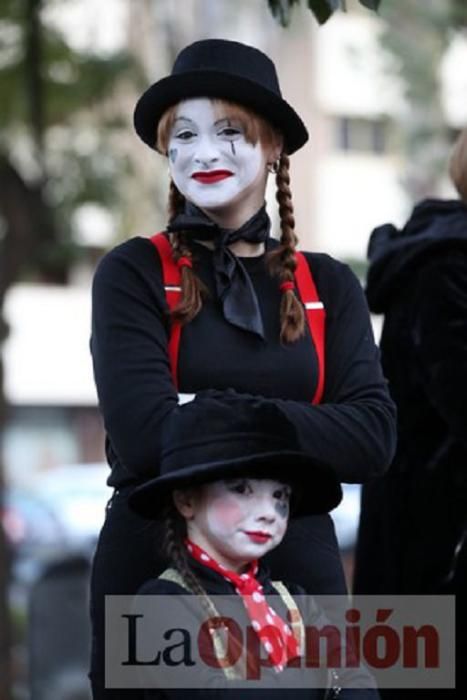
[(184, 502), (274, 153), (277, 147)]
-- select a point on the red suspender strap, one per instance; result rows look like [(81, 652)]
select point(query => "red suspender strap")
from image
[(316, 316), (172, 282), (315, 313)]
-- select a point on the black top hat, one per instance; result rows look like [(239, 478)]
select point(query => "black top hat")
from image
[(223, 69), (223, 435)]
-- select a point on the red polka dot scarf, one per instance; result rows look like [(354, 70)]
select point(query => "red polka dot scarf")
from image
[(275, 635)]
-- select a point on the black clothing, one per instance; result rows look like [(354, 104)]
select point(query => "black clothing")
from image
[(233, 284), (127, 554), (413, 517), (214, 585), (434, 227), (224, 435), (352, 430)]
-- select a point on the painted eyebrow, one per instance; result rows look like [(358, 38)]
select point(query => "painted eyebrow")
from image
[(224, 120), (183, 119), (231, 122)]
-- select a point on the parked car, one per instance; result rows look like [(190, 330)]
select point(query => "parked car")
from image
[(59, 515), (77, 495), (52, 527), (28, 521)]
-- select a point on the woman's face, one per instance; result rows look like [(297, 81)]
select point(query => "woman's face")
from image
[(238, 520), (212, 163)]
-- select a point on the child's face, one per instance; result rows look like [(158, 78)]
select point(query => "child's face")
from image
[(236, 521)]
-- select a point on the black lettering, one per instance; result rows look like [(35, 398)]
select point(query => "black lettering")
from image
[(132, 660), (184, 645)]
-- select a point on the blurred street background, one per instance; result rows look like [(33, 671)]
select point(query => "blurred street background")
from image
[(384, 96)]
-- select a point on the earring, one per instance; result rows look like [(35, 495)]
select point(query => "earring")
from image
[(274, 167)]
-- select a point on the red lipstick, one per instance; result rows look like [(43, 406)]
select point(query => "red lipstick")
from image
[(207, 177), (259, 537)]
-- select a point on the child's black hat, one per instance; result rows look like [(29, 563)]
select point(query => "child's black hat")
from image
[(224, 69), (224, 435)]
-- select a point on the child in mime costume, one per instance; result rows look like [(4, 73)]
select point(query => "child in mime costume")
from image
[(231, 476)]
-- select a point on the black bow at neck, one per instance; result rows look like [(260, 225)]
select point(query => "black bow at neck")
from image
[(233, 284)]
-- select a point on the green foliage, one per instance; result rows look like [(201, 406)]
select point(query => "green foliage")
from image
[(371, 4), (78, 81), (322, 9), (417, 35), (457, 10), (72, 80), (58, 118), (358, 266), (282, 10)]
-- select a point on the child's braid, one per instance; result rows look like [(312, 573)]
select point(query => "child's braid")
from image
[(175, 532), (174, 546)]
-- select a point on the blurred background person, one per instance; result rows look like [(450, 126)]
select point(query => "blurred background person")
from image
[(413, 520)]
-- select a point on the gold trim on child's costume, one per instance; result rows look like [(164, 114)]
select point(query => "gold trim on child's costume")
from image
[(237, 672)]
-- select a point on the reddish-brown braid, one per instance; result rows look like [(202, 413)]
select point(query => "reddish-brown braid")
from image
[(175, 533), (193, 290), (282, 261)]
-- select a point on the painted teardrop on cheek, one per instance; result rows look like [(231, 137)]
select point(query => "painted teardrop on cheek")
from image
[(282, 509)]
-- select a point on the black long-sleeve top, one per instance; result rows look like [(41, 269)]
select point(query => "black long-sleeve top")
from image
[(353, 429), (354, 683)]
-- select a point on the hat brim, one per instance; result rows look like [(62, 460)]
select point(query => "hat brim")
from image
[(212, 83), (317, 489)]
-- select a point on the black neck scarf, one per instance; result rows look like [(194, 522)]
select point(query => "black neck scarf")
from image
[(233, 284)]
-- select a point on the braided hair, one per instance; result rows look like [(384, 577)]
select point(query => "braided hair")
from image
[(282, 261), (176, 551), (193, 289)]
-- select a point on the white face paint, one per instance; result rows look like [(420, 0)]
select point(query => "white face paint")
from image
[(211, 162), (239, 520)]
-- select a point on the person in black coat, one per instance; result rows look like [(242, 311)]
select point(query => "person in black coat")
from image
[(412, 534)]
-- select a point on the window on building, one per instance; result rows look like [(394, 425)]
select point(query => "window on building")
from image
[(367, 135)]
